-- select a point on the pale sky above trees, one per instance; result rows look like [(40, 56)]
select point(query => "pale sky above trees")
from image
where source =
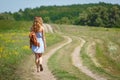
[(15, 5)]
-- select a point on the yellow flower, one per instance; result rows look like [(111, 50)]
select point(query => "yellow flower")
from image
[(16, 53), (13, 41), (1, 35), (12, 34), (24, 34), (1, 49), (7, 40), (25, 47), (5, 56), (0, 55)]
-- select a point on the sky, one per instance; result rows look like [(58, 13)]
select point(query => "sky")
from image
[(16, 5)]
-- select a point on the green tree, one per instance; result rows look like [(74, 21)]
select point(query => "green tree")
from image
[(6, 16), (100, 16), (114, 17), (47, 19), (63, 20)]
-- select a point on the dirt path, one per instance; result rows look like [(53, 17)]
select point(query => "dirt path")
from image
[(28, 70), (48, 28), (46, 74), (77, 61), (91, 50)]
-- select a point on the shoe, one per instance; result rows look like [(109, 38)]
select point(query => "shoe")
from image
[(41, 68)]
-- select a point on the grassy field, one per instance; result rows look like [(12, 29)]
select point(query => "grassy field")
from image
[(14, 46), (106, 52)]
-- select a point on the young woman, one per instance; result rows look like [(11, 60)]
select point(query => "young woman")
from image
[(37, 34)]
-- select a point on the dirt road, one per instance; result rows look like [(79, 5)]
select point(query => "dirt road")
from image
[(77, 61)]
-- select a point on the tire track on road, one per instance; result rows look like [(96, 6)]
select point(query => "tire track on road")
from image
[(77, 61)]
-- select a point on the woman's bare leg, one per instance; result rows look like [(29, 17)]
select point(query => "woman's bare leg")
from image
[(37, 61), (40, 62)]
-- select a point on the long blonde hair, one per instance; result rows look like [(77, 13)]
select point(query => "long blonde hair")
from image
[(37, 24)]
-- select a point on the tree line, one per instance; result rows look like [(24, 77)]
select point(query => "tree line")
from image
[(98, 14)]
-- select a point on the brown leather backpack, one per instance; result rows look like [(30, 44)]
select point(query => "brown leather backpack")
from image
[(33, 39)]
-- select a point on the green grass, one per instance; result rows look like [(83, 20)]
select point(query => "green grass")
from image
[(14, 26), (105, 34), (14, 46), (112, 67), (101, 59), (53, 38), (108, 59)]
